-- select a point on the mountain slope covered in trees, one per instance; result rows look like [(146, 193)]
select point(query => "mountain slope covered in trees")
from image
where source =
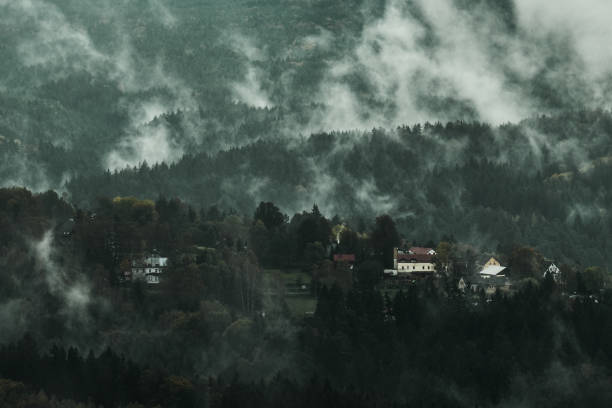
[(277, 154), (543, 182), (217, 331)]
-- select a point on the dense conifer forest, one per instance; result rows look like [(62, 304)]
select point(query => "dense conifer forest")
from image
[(203, 203), (222, 328)]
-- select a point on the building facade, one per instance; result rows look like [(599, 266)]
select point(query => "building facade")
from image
[(148, 268), (415, 261)]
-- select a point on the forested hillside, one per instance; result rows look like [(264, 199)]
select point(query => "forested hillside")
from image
[(222, 328), (86, 83), (543, 182), (305, 203), (114, 84)]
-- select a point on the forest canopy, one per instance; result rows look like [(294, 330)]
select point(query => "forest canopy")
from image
[(305, 203)]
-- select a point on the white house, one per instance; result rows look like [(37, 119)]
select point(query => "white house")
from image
[(461, 285), (148, 268), (415, 261), (554, 271), (492, 268)]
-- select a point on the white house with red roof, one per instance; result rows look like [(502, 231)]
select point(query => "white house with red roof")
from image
[(417, 261)]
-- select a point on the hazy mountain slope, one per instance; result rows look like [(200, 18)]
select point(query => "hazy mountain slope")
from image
[(542, 182), (118, 84), (93, 77)]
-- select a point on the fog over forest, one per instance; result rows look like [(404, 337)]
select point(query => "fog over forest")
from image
[(102, 73), (250, 143)]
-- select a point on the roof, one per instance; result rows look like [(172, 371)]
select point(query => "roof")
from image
[(344, 258), (421, 251), (552, 270), (414, 257), (485, 258), (492, 270)]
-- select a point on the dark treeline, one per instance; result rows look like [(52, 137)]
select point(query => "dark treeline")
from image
[(106, 379), (109, 380), (434, 351), (218, 332), (417, 348)]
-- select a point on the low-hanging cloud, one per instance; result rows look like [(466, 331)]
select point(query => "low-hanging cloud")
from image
[(63, 48), (165, 16), (420, 60), (428, 60), (250, 89), (586, 25), (75, 293)]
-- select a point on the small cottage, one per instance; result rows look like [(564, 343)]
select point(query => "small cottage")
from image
[(492, 268), (148, 268), (554, 271)]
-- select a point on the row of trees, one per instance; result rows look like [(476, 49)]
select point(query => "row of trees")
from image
[(433, 350)]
